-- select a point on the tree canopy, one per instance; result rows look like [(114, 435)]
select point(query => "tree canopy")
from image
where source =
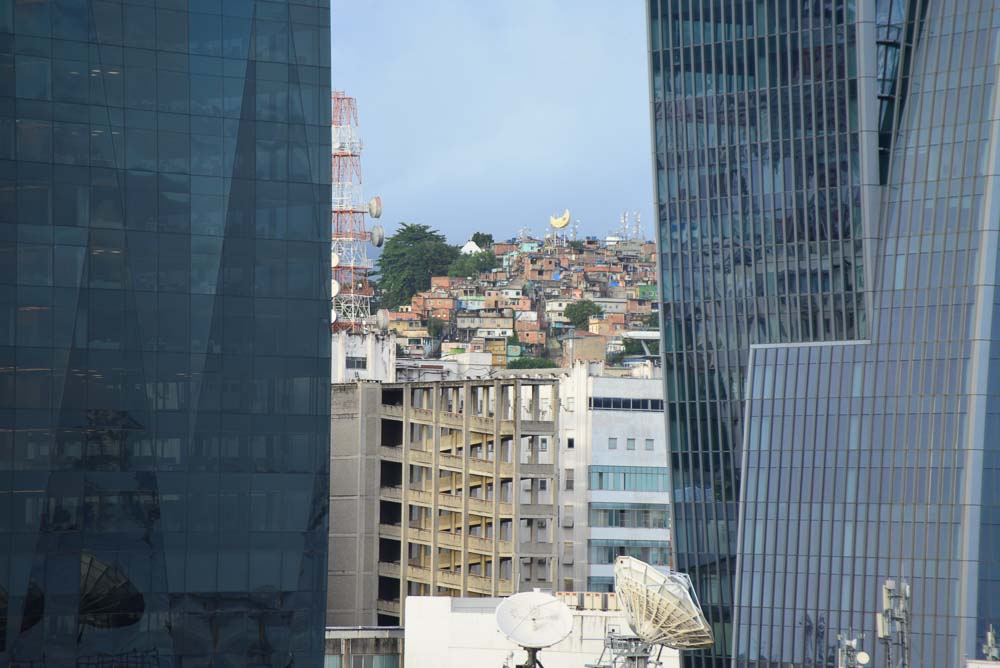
[(531, 363), (579, 312), (472, 264), (409, 259), (483, 239)]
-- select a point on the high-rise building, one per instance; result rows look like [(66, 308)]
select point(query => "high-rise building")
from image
[(164, 332), (827, 180), (489, 486)]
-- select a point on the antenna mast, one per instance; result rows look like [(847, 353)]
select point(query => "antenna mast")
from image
[(350, 289), (893, 623)]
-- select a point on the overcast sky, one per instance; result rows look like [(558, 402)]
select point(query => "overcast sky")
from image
[(494, 115)]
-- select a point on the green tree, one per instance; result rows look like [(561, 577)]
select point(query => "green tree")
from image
[(634, 347), (409, 259), (531, 363), (579, 312), (472, 264), (483, 239), (576, 245), (653, 320)]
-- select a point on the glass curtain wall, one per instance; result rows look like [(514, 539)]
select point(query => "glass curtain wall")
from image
[(164, 332), (756, 152), (878, 460)]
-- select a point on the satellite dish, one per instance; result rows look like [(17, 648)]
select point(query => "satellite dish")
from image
[(375, 207), (863, 658), (382, 319), (378, 236), (661, 608), (534, 620), (333, 316), (334, 288), (560, 222), (334, 259)]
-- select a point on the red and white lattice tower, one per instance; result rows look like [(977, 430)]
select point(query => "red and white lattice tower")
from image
[(351, 291)]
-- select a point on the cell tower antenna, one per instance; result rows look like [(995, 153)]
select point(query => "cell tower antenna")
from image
[(991, 650), (637, 227), (350, 289), (893, 623)]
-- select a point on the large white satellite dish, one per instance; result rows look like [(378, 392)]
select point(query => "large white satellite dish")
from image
[(662, 608), (334, 259), (534, 620), (334, 287), (375, 207)]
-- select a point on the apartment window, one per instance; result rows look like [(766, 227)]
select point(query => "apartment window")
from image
[(570, 443), (625, 404), (612, 444), (629, 515), (653, 552), (357, 363), (629, 478), (543, 444), (649, 444), (630, 444), (569, 480)]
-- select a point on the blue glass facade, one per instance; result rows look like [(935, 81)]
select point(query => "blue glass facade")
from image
[(757, 146), (164, 347), (863, 453)]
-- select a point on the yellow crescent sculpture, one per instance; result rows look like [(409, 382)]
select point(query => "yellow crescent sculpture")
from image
[(561, 221)]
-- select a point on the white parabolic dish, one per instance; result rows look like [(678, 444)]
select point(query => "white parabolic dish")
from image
[(534, 619), (662, 608)]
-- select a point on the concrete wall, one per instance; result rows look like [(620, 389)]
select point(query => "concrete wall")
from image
[(461, 632), (355, 432), (378, 349)]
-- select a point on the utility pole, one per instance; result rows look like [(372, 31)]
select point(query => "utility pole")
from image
[(894, 623)]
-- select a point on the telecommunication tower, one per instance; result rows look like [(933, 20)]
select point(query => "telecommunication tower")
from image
[(350, 289)]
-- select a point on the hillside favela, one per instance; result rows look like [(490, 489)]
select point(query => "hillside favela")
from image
[(521, 334)]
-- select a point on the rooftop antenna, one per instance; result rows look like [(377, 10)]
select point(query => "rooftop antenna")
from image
[(534, 620), (848, 654), (893, 623), (990, 648), (637, 227)]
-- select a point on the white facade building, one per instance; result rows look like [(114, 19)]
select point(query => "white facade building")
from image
[(449, 632), (614, 491)]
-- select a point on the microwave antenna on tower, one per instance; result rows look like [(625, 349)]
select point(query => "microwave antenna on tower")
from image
[(350, 289)]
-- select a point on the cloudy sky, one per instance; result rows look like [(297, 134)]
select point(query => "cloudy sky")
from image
[(495, 115)]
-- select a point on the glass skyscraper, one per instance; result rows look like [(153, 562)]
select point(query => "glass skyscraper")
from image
[(829, 192), (164, 332)]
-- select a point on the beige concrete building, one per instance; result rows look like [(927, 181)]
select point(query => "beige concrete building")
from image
[(461, 476)]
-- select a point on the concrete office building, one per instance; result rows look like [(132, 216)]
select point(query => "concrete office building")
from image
[(593, 485), (440, 488), (164, 319), (827, 179)]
